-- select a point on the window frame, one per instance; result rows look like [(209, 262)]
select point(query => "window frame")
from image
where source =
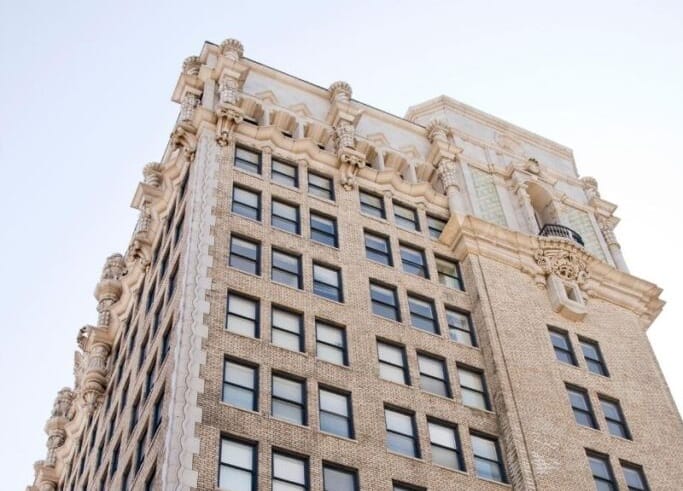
[(283, 178), (298, 274), (246, 165), (301, 405), (395, 307), (413, 436), (460, 461), (254, 460), (256, 261), (399, 219), (592, 362), (339, 288), (569, 350), (321, 192), (469, 333), (500, 462), (286, 224), (444, 373), (637, 469), (376, 253), (407, 265), (414, 298), (341, 469), (316, 231), (620, 421), (610, 479), (587, 411), (257, 210), (348, 417), (344, 346), (256, 321), (254, 390), (483, 392), (306, 468), (405, 369), (457, 279), (371, 210), (300, 335), (431, 229)]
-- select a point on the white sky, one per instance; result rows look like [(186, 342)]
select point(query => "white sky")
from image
[(86, 89)]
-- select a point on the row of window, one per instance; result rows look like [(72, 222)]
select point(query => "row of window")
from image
[(564, 351), (603, 475), (585, 416), (238, 467), (413, 260), (286, 268)]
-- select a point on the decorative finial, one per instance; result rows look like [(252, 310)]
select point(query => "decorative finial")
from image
[(152, 173), (191, 65), (340, 92), (232, 48), (438, 130)]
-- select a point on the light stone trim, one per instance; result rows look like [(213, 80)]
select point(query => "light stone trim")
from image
[(182, 444)]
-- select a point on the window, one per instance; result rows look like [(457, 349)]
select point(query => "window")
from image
[(634, 477), (245, 255), (413, 261), (248, 160), (593, 356), (327, 282), (339, 479), (487, 461), (449, 273), (378, 249), (397, 486), (240, 385), (289, 400), (406, 217), (242, 315), (473, 388), (320, 186), (581, 406), (287, 329), (423, 314), (285, 217), (286, 269), (445, 445), (433, 375), (460, 327), (331, 343), (436, 226), (335, 413), (562, 346), (324, 229), (237, 470), (289, 472), (616, 423), (285, 174), (384, 301), (393, 364), (372, 205), (401, 433), (602, 472), (246, 203)]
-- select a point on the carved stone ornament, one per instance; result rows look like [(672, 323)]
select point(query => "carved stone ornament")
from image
[(152, 173), (607, 228), (340, 92), (448, 174), (184, 138), (191, 66), (438, 130), (188, 103), (532, 166), (232, 48), (62, 404), (565, 264), (228, 90), (590, 184)]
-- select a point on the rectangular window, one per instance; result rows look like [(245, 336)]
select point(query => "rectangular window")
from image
[(393, 364), (327, 282), (445, 445), (331, 343), (562, 346), (413, 261), (401, 432), (287, 329), (487, 461), (335, 413), (406, 217), (242, 315), (324, 229), (634, 477), (473, 388), (372, 205), (436, 226), (286, 269), (423, 314), (449, 273), (602, 472), (237, 470), (289, 400), (289, 473), (285, 217), (248, 160), (581, 406), (320, 186), (245, 255), (460, 327), (433, 375), (337, 478), (240, 385), (378, 248), (285, 174), (246, 203), (593, 356), (614, 416), (385, 301)]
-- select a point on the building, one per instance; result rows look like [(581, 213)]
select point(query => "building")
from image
[(322, 295)]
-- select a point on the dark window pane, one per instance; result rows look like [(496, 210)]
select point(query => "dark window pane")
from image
[(248, 160), (246, 203), (372, 205), (320, 186), (285, 174)]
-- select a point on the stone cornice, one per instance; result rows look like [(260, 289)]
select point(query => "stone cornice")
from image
[(466, 234)]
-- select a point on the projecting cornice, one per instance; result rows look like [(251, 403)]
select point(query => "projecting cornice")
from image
[(544, 257)]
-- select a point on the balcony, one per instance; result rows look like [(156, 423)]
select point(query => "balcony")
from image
[(555, 230)]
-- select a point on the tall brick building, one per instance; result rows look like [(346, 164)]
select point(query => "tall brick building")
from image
[(321, 295)]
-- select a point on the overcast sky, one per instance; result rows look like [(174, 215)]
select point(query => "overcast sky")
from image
[(86, 88)]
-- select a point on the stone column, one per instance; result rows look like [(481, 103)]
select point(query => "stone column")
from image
[(448, 174), (380, 160), (607, 228)]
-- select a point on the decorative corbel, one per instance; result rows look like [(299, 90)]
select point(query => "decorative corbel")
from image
[(343, 117)]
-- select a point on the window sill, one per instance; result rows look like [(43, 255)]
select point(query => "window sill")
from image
[(324, 200), (248, 411), (248, 173), (242, 217), (343, 438), (345, 367), (302, 353), (338, 302), (415, 459), (253, 275), (458, 471), (493, 481)]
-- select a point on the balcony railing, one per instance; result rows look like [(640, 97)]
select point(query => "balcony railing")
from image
[(555, 230)]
